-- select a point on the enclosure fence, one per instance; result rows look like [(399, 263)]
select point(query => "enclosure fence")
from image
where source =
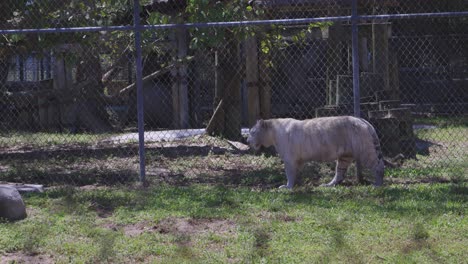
[(121, 92)]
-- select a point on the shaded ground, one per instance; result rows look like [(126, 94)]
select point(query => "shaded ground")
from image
[(196, 159)]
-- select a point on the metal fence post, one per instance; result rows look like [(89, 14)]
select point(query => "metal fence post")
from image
[(139, 86), (355, 45), (356, 90)]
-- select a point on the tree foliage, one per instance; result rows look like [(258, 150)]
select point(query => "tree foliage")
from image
[(64, 14), (79, 13)]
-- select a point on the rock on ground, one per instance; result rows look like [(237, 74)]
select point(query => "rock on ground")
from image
[(12, 207)]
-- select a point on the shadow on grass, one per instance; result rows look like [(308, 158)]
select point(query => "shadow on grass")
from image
[(78, 177), (339, 248), (423, 146), (399, 199), (89, 152), (209, 201), (85, 165), (217, 187), (263, 179)]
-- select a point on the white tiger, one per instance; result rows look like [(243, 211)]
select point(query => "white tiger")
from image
[(342, 138)]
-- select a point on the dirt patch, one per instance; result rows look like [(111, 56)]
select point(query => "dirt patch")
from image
[(20, 257), (176, 226), (191, 226), (278, 216), (132, 230)]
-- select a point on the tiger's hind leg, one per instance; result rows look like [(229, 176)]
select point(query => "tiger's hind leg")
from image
[(342, 165)]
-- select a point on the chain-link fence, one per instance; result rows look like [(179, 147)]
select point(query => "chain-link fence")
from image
[(80, 81)]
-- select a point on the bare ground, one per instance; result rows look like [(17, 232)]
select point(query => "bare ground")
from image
[(20, 257), (176, 226)]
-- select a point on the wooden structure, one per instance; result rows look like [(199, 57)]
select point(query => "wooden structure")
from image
[(65, 102), (379, 78)]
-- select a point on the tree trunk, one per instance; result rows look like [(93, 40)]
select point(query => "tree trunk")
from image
[(66, 117), (251, 72), (180, 97), (226, 121), (80, 104), (92, 115), (265, 87), (233, 111)]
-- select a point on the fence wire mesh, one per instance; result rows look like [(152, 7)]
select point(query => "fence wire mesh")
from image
[(68, 100)]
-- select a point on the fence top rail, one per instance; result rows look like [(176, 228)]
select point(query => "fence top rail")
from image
[(234, 23), (413, 15), (183, 25)]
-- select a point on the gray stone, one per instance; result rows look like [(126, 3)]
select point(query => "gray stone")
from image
[(12, 207)]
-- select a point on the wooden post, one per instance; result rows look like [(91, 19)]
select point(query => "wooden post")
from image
[(226, 120), (251, 67), (334, 58), (363, 55), (380, 50), (63, 80), (180, 85), (62, 73), (265, 87)]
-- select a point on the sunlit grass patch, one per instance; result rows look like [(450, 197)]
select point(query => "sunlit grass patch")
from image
[(212, 224)]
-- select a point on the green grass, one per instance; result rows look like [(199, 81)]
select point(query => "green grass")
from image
[(213, 224), (42, 139), (460, 121), (445, 157), (210, 204)]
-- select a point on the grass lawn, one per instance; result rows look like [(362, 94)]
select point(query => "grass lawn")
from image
[(418, 223), (210, 204)]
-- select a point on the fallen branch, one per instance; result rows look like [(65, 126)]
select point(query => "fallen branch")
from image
[(157, 73), (214, 118), (116, 68)]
